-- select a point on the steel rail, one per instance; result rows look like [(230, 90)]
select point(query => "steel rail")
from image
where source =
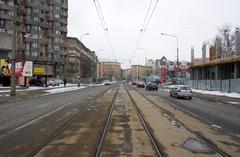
[(54, 134), (201, 137), (147, 128), (105, 126)]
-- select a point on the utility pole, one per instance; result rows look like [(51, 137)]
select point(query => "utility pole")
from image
[(13, 72)]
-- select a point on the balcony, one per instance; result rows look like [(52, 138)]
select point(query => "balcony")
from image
[(65, 6)]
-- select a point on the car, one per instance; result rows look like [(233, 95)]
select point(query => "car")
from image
[(52, 83), (59, 82), (36, 82), (181, 91), (134, 83), (107, 83), (140, 85), (152, 87)]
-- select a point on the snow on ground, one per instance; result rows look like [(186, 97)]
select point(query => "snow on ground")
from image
[(66, 89), (233, 95), (49, 89), (218, 93)]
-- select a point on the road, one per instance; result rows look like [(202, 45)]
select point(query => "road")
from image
[(57, 124)]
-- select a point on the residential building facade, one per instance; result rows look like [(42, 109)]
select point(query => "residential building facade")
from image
[(80, 62), (41, 30)]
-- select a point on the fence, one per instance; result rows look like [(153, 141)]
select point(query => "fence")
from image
[(229, 85)]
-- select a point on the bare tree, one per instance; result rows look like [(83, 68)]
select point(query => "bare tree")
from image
[(226, 36)]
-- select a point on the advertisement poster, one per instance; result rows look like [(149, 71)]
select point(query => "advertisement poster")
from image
[(21, 68)]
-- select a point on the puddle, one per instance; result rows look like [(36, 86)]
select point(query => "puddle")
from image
[(196, 146), (127, 147)]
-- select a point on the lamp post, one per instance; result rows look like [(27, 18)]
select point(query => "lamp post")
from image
[(84, 34), (174, 36), (145, 51)]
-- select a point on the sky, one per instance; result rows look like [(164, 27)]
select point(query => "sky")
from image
[(192, 21)]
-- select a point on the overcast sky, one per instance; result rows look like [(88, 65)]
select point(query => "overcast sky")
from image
[(192, 21)]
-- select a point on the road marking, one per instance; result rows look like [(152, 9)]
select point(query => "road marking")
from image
[(43, 105), (39, 118)]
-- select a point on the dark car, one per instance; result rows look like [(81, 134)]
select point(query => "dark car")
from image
[(152, 87), (140, 85), (134, 83), (36, 82)]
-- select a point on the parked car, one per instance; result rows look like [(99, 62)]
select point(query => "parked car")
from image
[(52, 83), (36, 82), (140, 85), (107, 83), (183, 91), (152, 87), (134, 83), (59, 82)]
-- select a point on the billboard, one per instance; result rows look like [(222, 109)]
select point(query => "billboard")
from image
[(22, 68)]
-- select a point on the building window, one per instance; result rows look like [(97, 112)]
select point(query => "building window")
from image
[(71, 59), (34, 45), (34, 54), (27, 46), (2, 23)]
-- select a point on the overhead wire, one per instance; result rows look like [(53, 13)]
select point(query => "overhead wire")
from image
[(144, 26), (104, 26)]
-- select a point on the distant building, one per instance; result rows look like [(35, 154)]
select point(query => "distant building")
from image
[(109, 70), (150, 63)]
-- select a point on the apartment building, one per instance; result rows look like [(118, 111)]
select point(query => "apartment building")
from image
[(80, 62), (41, 30)]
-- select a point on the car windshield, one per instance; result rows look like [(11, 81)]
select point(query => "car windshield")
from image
[(185, 88)]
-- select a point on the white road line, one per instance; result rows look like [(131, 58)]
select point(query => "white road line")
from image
[(39, 118)]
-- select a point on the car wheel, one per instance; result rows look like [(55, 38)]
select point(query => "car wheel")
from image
[(170, 95), (190, 98)]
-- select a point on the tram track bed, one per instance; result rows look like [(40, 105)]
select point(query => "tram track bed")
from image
[(220, 141)]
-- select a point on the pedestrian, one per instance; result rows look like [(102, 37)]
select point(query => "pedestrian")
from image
[(65, 82)]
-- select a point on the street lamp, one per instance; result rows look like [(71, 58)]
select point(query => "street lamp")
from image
[(174, 36), (84, 34), (145, 51)]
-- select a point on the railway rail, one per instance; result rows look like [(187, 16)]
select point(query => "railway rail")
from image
[(147, 128), (58, 131), (143, 121), (197, 134)]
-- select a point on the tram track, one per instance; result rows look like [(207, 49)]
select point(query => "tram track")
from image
[(60, 129), (201, 137), (147, 128), (145, 125)]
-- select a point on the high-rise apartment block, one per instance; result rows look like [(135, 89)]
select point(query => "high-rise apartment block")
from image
[(41, 30)]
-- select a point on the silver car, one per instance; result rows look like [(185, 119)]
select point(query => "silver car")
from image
[(183, 91)]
